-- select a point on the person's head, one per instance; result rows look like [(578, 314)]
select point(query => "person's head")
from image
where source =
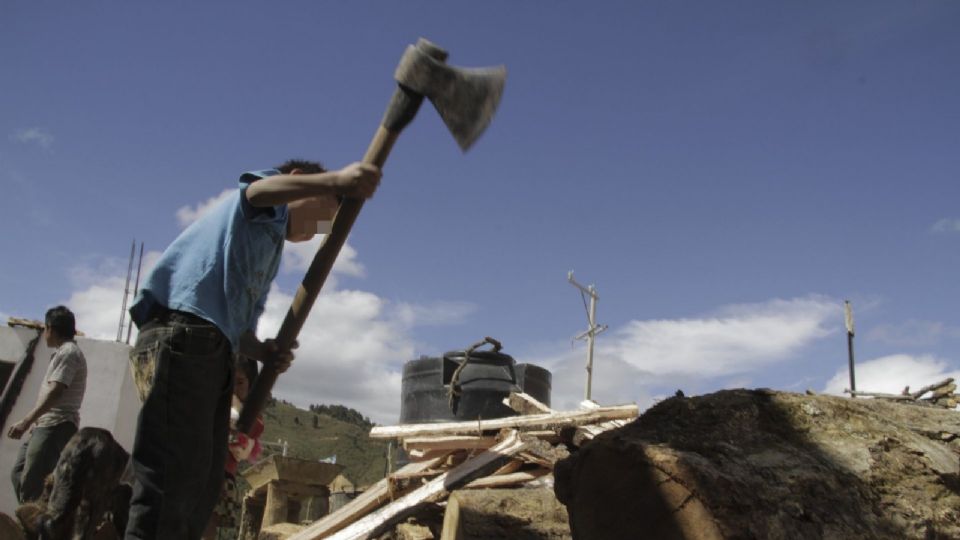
[(59, 325), (246, 374), (306, 215)]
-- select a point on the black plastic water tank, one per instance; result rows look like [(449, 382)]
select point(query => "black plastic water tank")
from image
[(485, 381)]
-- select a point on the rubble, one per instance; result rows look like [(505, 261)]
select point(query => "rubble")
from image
[(496, 456)]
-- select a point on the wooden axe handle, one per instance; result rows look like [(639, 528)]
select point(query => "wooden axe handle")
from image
[(323, 261)]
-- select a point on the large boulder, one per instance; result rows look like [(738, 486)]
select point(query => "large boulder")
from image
[(772, 465)]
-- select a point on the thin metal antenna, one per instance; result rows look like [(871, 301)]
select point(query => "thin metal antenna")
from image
[(136, 289), (126, 290), (593, 328)]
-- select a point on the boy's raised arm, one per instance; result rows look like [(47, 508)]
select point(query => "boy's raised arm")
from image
[(357, 180)]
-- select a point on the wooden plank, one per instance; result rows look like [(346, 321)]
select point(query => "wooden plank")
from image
[(929, 387), (530, 422), (587, 433), (895, 397), (369, 500), (511, 466), (453, 442), (418, 454), (549, 436), (434, 490), (525, 404), (26, 323), (506, 480), (30, 323), (943, 391), (397, 482)]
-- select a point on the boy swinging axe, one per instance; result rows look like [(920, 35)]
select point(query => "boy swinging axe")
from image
[(465, 98), (201, 301)]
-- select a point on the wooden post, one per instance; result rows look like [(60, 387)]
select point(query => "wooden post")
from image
[(848, 319), (250, 518), (275, 511)]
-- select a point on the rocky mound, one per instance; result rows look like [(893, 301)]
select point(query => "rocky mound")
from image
[(764, 464)]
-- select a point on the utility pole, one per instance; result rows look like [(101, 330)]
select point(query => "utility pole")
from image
[(593, 328), (848, 319), (126, 291)]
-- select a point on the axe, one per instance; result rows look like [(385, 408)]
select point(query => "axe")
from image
[(466, 99)]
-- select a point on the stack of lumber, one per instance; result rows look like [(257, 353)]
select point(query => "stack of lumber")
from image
[(447, 457), (942, 394), (14, 322)]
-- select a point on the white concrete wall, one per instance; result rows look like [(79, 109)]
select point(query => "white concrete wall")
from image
[(110, 401)]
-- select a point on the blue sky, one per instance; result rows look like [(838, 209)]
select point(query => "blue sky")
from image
[(725, 173)]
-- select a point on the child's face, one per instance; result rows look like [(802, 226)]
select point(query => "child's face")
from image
[(308, 216), (241, 385)]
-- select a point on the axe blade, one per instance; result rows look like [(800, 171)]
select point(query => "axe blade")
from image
[(470, 101), (466, 98)]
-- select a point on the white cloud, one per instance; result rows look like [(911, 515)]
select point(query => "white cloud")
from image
[(614, 380), (890, 374), (297, 257), (188, 214), (639, 361), (34, 135), (738, 339), (351, 352), (98, 296), (97, 308), (946, 225)]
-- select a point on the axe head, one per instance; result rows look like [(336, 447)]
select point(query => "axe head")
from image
[(466, 98)]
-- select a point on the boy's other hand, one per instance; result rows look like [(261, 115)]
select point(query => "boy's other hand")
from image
[(273, 356), (359, 180)]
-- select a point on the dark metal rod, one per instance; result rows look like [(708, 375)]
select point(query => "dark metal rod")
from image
[(853, 381), (126, 290), (136, 289)]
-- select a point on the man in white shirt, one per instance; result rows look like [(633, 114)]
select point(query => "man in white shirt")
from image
[(56, 416)]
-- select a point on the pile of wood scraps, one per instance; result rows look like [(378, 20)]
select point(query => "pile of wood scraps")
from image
[(942, 394), (517, 451)]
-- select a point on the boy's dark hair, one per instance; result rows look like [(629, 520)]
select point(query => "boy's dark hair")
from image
[(61, 321), (306, 167)]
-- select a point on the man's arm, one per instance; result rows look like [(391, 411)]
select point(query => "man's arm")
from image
[(53, 392), (357, 180)]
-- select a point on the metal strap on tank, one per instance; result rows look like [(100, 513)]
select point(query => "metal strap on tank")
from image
[(454, 393)]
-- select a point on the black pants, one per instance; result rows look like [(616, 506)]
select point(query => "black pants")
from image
[(181, 441)]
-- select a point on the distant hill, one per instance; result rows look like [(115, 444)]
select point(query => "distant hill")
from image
[(318, 435)]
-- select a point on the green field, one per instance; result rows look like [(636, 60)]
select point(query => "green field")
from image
[(363, 458)]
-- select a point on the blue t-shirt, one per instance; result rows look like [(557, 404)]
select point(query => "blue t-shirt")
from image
[(220, 268)]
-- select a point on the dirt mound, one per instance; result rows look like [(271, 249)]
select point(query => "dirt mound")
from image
[(764, 464)]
